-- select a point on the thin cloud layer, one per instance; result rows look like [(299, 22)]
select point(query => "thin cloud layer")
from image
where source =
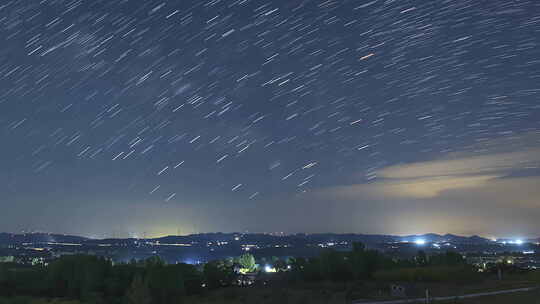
[(432, 179), (465, 165), (427, 187)]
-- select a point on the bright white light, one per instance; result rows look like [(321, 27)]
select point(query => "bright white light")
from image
[(519, 242), (420, 242), (268, 268)]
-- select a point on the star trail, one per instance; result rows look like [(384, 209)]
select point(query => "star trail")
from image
[(360, 116)]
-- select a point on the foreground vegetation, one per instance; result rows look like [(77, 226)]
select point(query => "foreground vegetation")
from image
[(332, 277)]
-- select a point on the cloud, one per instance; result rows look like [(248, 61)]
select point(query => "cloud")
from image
[(467, 165), (427, 187), (431, 179)]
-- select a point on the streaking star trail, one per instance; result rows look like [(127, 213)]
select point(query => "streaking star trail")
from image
[(224, 114)]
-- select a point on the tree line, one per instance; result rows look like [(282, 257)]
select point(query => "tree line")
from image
[(97, 280)]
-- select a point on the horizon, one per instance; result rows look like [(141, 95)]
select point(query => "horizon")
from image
[(277, 234)]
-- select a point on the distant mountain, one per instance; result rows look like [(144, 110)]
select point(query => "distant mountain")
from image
[(9, 238), (452, 238)]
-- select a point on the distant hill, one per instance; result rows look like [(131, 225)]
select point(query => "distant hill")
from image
[(10, 238), (432, 237)]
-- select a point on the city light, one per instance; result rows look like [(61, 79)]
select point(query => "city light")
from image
[(269, 268)]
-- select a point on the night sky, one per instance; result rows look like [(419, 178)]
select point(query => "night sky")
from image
[(132, 118)]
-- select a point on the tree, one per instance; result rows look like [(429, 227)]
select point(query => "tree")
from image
[(120, 279), (154, 261), (334, 265), (218, 274), (449, 258), (358, 247), (166, 284), (191, 277), (421, 258), (280, 265), (139, 293), (247, 261), (78, 276)]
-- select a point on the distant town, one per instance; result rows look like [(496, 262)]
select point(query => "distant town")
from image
[(265, 268), (41, 248)]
